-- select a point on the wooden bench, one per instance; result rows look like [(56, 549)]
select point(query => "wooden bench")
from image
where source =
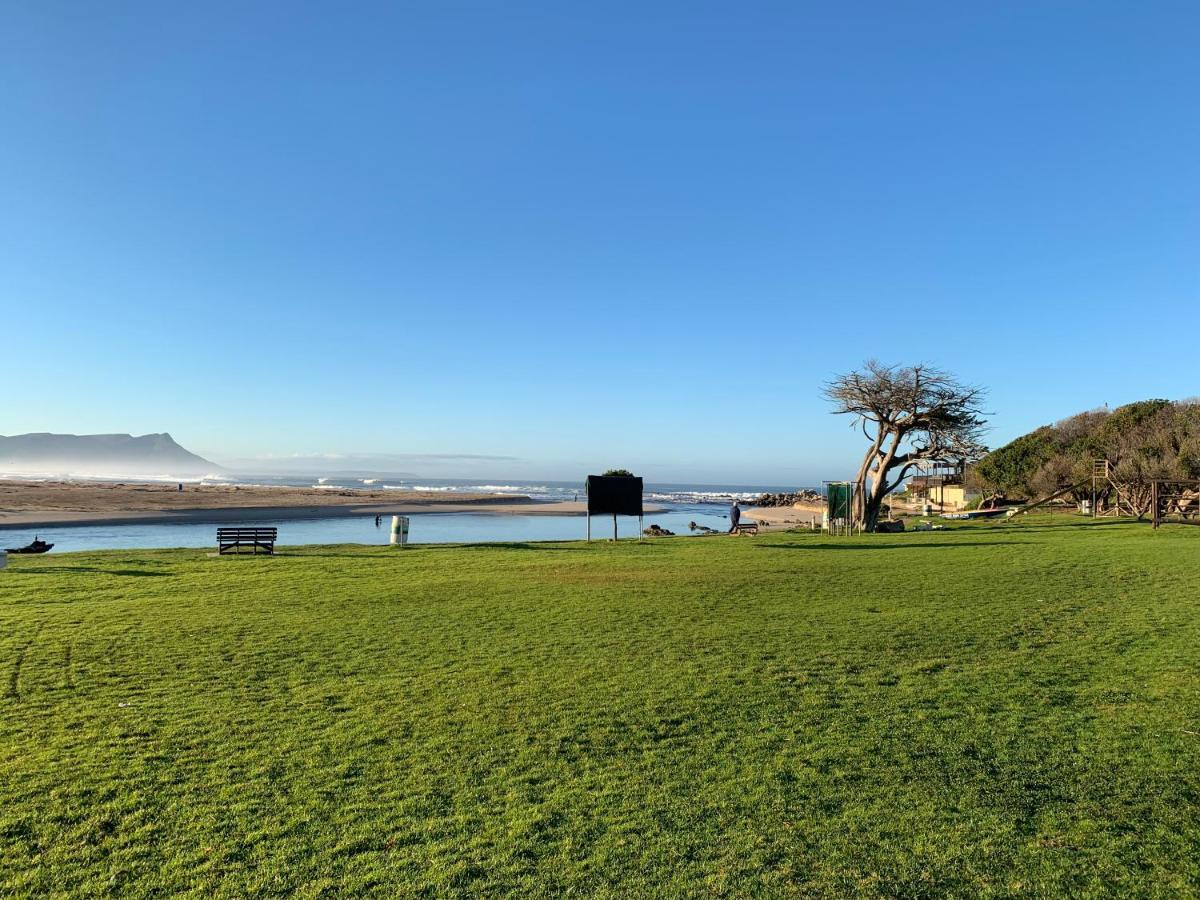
[(232, 540), (746, 528)]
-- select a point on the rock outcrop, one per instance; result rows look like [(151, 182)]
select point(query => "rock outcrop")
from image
[(807, 497), (657, 531)]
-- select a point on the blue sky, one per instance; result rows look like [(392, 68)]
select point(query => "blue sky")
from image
[(584, 235)]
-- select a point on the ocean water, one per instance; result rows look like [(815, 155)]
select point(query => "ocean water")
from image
[(683, 504), (538, 490)]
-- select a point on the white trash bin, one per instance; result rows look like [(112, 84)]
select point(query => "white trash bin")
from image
[(399, 531)]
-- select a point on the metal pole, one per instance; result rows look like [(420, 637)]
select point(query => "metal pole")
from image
[(614, 526)]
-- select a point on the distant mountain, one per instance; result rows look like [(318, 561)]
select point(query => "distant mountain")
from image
[(99, 455)]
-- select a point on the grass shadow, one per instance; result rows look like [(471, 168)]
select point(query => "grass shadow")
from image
[(913, 546), (1057, 526), (535, 546), (62, 570), (501, 545), (496, 545)]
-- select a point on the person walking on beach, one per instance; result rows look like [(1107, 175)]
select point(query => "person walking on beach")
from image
[(735, 516)]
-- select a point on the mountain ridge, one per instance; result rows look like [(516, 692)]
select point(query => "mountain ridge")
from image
[(45, 452)]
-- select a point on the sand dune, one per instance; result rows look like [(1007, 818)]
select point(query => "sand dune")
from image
[(784, 515)]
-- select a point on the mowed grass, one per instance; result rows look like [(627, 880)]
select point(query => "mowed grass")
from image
[(996, 709)]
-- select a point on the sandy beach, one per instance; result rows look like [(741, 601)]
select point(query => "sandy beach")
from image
[(38, 504), (783, 515)]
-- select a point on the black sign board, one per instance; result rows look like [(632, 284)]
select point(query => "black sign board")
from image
[(617, 495)]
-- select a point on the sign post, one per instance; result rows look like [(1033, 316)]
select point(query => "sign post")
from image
[(615, 495)]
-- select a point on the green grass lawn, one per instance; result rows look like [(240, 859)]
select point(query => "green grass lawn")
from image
[(1000, 709)]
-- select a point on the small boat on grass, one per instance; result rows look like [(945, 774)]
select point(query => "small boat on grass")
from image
[(38, 546), (979, 513)]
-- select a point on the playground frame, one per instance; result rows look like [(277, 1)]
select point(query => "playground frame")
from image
[(1174, 500)]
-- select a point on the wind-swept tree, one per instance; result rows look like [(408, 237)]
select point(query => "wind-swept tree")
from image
[(910, 415)]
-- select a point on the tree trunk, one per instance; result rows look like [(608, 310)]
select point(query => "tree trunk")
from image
[(869, 495), (872, 479), (873, 498), (858, 512)]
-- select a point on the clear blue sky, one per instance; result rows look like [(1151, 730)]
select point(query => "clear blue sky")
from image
[(583, 235)]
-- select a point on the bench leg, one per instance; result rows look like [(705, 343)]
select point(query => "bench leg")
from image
[(240, 547)]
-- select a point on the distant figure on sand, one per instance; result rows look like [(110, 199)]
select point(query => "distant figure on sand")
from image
[(735, 516), (378, 519)]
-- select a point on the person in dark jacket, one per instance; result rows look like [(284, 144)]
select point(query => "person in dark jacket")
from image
[(735, 516)]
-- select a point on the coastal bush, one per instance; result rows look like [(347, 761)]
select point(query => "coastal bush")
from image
[(1143, 441)]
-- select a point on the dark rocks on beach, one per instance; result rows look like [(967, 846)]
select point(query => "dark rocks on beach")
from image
[(789, 499), (657, 531)]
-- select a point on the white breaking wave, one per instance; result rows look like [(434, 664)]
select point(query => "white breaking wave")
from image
[(521, 490), (703, 496)]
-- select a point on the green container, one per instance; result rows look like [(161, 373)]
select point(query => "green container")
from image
[(839, 498)]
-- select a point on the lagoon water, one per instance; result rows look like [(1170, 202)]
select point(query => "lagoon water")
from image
[(425, 528)]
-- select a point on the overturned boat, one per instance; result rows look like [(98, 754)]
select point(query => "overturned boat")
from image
[(38, 546), (981, 513)]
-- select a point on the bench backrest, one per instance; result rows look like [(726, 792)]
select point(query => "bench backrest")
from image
[(234, 534)]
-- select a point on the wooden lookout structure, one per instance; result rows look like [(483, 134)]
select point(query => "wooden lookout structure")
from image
[(1112, 498)]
